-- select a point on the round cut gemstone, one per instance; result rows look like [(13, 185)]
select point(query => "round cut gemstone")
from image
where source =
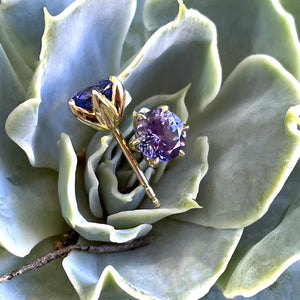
[(83, 98), (160, 134)]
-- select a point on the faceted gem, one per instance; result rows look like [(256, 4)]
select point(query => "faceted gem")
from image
[(160, 134), (83, 98)]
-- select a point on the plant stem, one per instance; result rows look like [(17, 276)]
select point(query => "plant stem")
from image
[(104, 248)]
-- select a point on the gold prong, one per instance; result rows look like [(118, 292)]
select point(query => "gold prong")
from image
[(118, 95), (186, 127), (181, 153), (153, 163), (164, 107), (84, 116), (106, 114), (138, 116), (133, 143)]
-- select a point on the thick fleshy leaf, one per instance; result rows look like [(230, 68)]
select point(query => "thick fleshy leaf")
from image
[(163, 66), (22, 26), (72, 57), (49, 282), (29, 207), (258, 265), (182, 262), (244, 28), (254, 233), (75, 210), (136, 36), (286, 287), (293, 7), (99, 146), (254, 143)]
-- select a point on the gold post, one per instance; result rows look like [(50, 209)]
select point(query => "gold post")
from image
[(135, 166)]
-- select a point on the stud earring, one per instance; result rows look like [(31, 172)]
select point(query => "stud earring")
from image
[(160, 135), (101, 106)]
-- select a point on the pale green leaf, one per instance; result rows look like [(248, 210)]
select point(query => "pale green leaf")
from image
[(22, 26), (254, 142), (244, 28), (49, 282), (29, 207), (182, 262), (293, 7), (267, 259), (182, 52), (256, 241)]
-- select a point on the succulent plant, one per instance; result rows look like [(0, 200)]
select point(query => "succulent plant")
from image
[(229, 216)]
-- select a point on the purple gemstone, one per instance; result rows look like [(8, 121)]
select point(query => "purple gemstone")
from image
[(160, 134)]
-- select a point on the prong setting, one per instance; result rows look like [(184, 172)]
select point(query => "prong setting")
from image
[(133, 143), (137, 116), (153, 163), (106, 114), (181, 153), (84, 116), (164, 108)]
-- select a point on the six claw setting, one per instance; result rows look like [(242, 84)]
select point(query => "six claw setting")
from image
[(160, 135)]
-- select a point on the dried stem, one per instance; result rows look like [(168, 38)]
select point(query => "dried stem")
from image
[(104, 248)]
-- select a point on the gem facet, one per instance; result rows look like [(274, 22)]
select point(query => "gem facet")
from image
[(83, 98), (160, 134)]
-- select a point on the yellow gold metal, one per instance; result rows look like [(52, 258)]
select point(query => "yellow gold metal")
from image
[(164, 107), (138, 116), (83, 115), (186, 127), (133, 143), (107, 115), (152, 163), (135, 166), (181, 153), (118, 99)]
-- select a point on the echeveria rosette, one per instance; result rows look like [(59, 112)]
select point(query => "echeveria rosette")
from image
[(40, 149), (199, 254)]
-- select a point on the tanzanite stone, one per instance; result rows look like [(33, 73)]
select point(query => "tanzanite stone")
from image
[(83, 98), (160, 134)]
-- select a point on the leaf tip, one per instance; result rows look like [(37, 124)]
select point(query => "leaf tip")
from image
[(182, 9)]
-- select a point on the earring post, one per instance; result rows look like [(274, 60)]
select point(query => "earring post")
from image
[(135, 166)]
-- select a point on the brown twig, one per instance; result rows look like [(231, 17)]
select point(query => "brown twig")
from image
[(104, 248)]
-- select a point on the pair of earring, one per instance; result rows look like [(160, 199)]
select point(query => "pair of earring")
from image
[(160, 135)]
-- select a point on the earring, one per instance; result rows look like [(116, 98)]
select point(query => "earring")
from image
[(101, 106), (160, 135)]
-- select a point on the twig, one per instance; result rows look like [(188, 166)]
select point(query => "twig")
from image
[(104, 248)]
